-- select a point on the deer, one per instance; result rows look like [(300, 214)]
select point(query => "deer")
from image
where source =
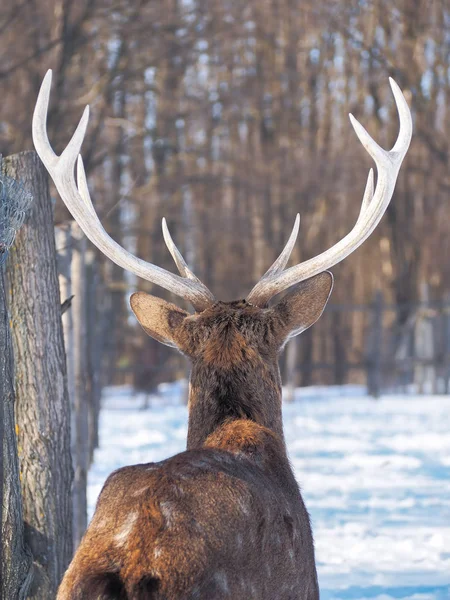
[(224, 519)]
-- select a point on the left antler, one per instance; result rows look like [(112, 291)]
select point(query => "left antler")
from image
[(78, 201), (373, 207)]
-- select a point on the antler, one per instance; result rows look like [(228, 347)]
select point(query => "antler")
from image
[(373, 207), (78, 201)]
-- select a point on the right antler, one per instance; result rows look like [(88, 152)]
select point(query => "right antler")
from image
[(374, 205), (78, 201)]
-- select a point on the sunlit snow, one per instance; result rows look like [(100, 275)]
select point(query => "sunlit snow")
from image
[(375, 476)]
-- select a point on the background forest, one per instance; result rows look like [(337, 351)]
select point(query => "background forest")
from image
[(228, 118)]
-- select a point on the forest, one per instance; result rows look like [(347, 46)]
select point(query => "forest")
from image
[(228, 118)]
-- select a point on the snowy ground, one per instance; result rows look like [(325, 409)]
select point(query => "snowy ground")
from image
[(375, 477)]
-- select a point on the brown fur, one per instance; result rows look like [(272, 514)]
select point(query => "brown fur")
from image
[(224, 519)]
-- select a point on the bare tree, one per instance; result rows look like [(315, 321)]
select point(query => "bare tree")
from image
[(15, 558), (230, 119), (42, 405)]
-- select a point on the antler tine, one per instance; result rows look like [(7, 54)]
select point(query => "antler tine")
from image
[(368, 196), (373, 207), (39, 127), (176, 254), (78, 201), (282, 260), (404, 114), (83, 187), (68, 158)]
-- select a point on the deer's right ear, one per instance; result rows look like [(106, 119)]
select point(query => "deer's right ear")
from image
[(159, 318), (303, 305)]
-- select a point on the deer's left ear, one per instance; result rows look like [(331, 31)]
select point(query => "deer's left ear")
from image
[(303, 305), (159, 318)]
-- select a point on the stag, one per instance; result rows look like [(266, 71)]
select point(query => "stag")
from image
[(224, 519)]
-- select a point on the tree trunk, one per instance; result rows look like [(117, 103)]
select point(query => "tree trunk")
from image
[(80, 448), (15, 560), (375, 344), (64, 243), (42, 402), (96, 327)]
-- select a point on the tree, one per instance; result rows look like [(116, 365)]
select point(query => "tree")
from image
[(15, 558), (42, 405), (228, 118)]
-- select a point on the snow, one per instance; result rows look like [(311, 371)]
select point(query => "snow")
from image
[(375, 476)]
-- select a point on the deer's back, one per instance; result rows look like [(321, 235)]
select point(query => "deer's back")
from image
[(205, 524)]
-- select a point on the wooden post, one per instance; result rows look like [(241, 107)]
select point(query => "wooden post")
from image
[(42, 403), (374, 373)]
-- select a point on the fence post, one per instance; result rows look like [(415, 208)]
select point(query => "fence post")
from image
[(42, 403), (374, 365)]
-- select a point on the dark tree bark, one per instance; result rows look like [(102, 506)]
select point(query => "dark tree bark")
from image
[(15, 560), (42, 403)]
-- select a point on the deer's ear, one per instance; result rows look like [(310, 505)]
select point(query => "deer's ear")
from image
[(303, 305), (160, 319)]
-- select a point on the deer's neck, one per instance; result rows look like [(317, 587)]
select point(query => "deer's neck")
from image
[(219, 395)]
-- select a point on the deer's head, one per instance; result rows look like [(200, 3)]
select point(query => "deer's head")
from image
[(227, 334)]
